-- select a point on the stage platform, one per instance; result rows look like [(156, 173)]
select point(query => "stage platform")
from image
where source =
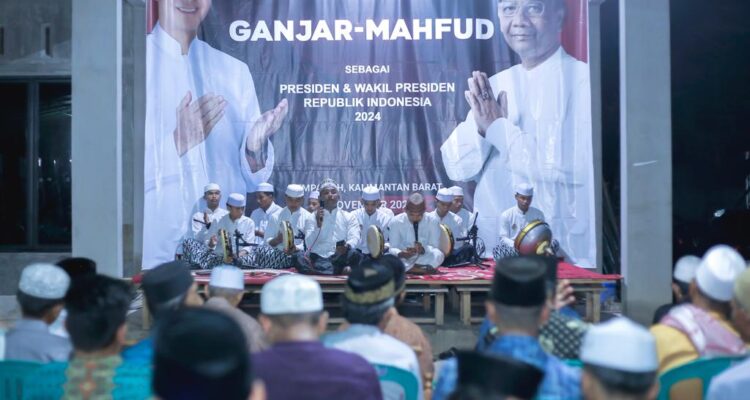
[(456, 285)]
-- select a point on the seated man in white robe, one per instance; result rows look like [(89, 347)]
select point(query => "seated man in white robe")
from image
[(514, 219), (371, 214), (332, 239), (457, 207), (463, 252), (202, 220), (275, 254), (239, 231), (415, 238), (266, 207)]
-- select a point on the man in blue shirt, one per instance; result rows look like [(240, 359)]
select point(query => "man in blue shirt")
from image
[(518, 305)]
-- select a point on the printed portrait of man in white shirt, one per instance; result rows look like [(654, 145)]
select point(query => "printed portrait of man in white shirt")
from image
[(530, 123), (203, 124)]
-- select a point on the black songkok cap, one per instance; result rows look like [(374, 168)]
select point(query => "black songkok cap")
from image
[(520, 281), (166, 282), (497, 375), (78, 266), (398, 268), (201, 354), (370, 283)]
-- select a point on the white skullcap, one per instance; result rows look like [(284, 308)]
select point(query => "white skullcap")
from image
[(45, 281), (370, 193), (716, 273), (295, 191), (684, 269), (457, 190), (314, 194), (525, 189), (227, 276), (264, 187), (291, 294), (445, 195), (327, 183), (210, 187), (236, 200), (620, 344)]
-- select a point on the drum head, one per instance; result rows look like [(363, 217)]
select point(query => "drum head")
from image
[(534, 238), (446, 240), (375, 241), (287, 234)]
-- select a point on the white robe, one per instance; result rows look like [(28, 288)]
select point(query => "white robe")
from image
[(546, 140), (467, 218), (243, 225), (380, 218), (199, 230), (300, 220), (401, 236), (261, 217), (513, 220), (337, 225), (173, 183), (453, 222)]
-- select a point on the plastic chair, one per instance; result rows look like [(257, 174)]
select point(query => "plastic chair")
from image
[(12, 374), (572, 362), (704, 369), (390, 376)]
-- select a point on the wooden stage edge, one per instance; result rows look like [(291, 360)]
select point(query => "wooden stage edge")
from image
[(459, 294)]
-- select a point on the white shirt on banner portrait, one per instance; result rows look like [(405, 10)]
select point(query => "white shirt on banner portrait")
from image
[(546, 140), (243, 225), (401, 236), (174, 183), (379, 218), (300, 220), (337, 225)]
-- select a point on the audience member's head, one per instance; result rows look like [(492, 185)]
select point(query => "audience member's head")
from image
[(397, 267), (202, 354), (227, 282), (168, 287), (495, 377), (41, 291), (77, 267), (368, 294), (97, 307), (741, 305), (291, 309), (684, 273), (518, 298), (713, 285), (619, 359)]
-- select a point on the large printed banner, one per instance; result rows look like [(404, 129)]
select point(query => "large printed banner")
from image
[(370, 92)]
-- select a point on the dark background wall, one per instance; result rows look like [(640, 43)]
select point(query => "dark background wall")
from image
[(710, 44)]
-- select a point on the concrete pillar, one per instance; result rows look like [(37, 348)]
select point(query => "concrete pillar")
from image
[(645, 156), (133, 135), (595, 66), (97, 133)]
